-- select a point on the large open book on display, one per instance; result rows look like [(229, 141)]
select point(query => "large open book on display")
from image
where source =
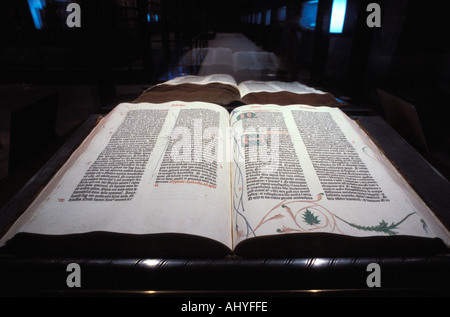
[(223, 89), (190, 179)]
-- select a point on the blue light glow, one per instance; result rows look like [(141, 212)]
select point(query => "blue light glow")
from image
[(152, 17), (309, 14), (338, 16), (35, 7), (268, 14), (282, 14)]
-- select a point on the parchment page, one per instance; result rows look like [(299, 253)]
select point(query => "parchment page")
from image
[(146, 168), (203, 80), (252, 86), (317, 171)]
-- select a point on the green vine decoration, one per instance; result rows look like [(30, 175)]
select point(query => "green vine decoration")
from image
[(382, 227), (310, 218), (319, 218)]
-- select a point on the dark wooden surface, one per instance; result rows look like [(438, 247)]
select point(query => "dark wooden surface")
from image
[(17, 205)]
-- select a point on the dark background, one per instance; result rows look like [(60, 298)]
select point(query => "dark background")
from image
[(117, 52)]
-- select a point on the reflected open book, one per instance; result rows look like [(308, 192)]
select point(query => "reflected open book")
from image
[(224, 89), (189, 179)]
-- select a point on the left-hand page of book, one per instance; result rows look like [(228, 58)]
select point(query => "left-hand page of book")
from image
[(144, 169)]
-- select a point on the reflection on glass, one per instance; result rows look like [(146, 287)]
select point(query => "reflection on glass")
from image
[(338, 16)]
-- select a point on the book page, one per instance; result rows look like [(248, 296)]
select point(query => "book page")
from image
[(146, 168), (303, 169), (253, 86), (202, 80)]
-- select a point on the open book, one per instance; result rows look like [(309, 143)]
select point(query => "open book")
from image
[(190, 179), (223, 89)]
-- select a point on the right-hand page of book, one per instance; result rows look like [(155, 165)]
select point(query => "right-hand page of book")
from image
[(303, 169), (252, 86)]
